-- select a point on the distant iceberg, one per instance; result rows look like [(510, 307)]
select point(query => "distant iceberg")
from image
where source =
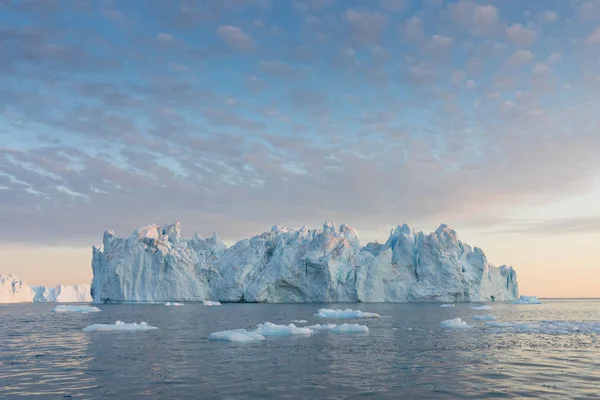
[(236, 335), (328, 265), (173, 304), (455, 323), (482, 308), (347, 313), (484, 317), (14, 290), (527, 300), (271, 329), (211, 303), (75, 309), (119, 326), (344, 328), (447, 305)]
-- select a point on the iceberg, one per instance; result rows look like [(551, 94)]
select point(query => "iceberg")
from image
[(324, 327), (347, 313), (14, 290), (119, 326), (455, 323), (327, 265), (526, 300), (447, 305), (344, 328), (271, 329), (299, 321), (482, 308), (236, 335), (484, 317), (211, 303), (75, 309), (173, 304)]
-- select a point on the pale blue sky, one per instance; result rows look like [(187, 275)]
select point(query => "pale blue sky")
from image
[(234, 115)]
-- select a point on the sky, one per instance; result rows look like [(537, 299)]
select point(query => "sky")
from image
[(235, 115)]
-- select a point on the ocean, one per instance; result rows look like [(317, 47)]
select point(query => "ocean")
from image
[(553, 351)]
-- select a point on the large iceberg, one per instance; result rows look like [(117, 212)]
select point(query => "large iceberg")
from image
[(325, 265), (14, 290)]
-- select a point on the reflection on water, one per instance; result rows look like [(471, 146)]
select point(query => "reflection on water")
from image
[(405, 354)]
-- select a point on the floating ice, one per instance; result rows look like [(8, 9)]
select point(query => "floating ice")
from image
[(496, 324), (211, 303), (344, 328), (482, 308), (484, 317), (447, 305), (455, 323), (75, 309), (172, 304), (527, 300), (119, 326), (271, 329), (347, 313), (299, 321), (236, 335)]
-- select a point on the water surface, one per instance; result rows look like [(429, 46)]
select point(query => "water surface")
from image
[(405, 355)]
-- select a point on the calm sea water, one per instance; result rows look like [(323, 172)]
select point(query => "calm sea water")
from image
[(406, 355)]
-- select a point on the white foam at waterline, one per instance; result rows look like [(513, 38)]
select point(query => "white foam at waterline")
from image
[(484, 317), (347, 313), (526, 300), (75, 309), (299, 321), (236, 335), (482, 308), (173, 304), (119, 326), (271, 329), (447, 305), (211, 303), (455, 323)]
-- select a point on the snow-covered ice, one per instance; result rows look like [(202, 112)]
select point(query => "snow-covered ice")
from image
[(173, 304), (455, 323), (482, 308), (347, 313), (211, 303), (271, 329), (236, 335), (119, 326), (344, 328), (299, 321), (327, 265), (526, 300), (75, 309), (484, 317), (447, 305)]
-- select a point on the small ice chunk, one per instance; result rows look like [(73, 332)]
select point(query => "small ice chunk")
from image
[(324, 327), (119, 326), (527, 300), (350, 328), (211, 303), (484, 317), (75, 309), (482, 308), (271, 329), (455, 323), (447, 305), (170, 304), (347, 313), (236, 335), (299, 321)]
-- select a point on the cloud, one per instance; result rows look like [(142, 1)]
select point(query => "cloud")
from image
[(236, 38), (547, 17), (520, 36), (520, 58), (366, 27), (593, 37), (411, 30), (394, 6), (282, 70), (478, 19), (562, 226)]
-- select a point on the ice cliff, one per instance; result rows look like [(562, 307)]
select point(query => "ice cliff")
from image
[(13, 290), (156, 264)]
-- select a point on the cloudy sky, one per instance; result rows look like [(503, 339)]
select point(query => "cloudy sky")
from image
[(234, 115)]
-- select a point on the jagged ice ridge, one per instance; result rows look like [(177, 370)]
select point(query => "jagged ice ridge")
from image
[(326, 265), (14, 290)]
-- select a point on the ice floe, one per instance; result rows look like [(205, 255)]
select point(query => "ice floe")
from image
[(211, 303), (271, 329), (455, 323), (119, 326), (173, 304), (344, 328), (527, 300), (236, 335), (482, 308), (75, 309), (484, 317), (299, 321), (347, 313), (447, 305)]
